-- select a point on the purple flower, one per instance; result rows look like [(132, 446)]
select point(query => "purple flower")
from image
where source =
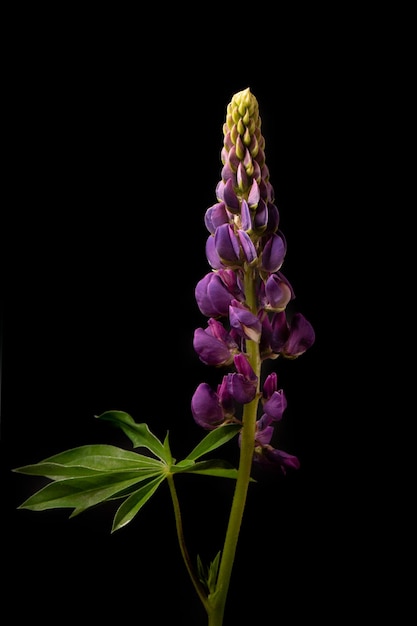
[(276, 405), (229, 196), (244, 322), (249, 250), (301, 337), (212, 295), (269, 458), (215, 216), (245, 216), (227, 245), (273, 253), (275, 292), (260, 220), (214, 345), (254, 195), (206, 408), (273, 400), (242, 384), (211, 254), (280, 331), (245, 368), (291, 340), (240, 388), (264, 431)]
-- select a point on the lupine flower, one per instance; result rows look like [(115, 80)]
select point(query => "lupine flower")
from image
[(246, 323), (227, 245), (243, 383), (273, 253), (291, 340), (274, 401), (212, 295), (301, 337), (215, 216), (216, 291), (206, 408), (211, 408), (212, 255), (214, 345), (275, 292), (268, 457)]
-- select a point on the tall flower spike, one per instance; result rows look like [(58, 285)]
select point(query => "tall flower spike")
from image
[(246, 294)]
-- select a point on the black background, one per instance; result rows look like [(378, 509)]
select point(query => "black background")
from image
[(113, 160)]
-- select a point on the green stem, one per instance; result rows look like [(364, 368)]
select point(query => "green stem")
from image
[(181, 540), (217, 600)]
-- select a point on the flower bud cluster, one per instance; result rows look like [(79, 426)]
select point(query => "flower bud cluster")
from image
[(246, 249)]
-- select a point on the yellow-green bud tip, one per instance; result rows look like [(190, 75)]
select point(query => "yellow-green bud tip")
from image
[(245, 101)]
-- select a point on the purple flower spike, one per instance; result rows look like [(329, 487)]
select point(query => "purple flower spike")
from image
[(227, 245), (302, 337), (206, 407), (273, 253), (246, 250), (246, 323)]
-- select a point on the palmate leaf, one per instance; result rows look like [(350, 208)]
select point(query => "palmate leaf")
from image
[(86, 476), (139, 434), (88, 461), (83, 493)]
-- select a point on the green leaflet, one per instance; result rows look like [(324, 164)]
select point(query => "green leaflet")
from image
[(208, 575), (215, 467), (214, 439), (139, 434), (83, 493), (89, 460), (135, 502)]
